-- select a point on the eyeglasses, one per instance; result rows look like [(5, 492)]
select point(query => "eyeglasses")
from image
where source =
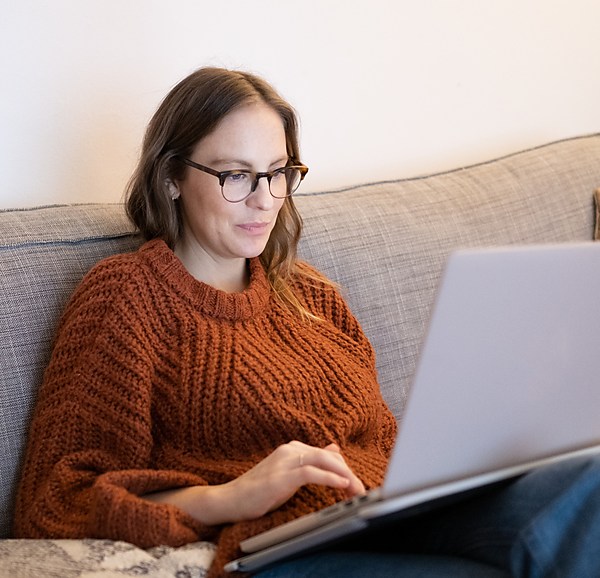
[(237, 185)]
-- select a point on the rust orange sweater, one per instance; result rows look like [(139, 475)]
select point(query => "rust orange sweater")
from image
[(159, 381)]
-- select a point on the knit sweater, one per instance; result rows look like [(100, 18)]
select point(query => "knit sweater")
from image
[(158, 381)]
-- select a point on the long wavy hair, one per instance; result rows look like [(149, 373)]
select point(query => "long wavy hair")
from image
[(189, 112)]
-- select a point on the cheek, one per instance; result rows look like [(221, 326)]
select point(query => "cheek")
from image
[(200, 206), (280, 206), (280, 211)]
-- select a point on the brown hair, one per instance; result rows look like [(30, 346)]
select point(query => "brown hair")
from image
[(189, 112)]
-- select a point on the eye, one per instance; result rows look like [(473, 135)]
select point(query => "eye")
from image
[(279, 174), (236, 178)]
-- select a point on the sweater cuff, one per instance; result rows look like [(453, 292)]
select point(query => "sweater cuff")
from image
[(120, 513)]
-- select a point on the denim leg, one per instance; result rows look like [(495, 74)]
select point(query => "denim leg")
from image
[(338, 564), (564, 538), (545, 524)]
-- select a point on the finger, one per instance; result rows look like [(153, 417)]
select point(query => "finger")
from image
[(321, 477), (328, 458), (356, 487), (300, 454), (332, 461)]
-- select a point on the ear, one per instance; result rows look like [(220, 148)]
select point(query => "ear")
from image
[(173, 190)]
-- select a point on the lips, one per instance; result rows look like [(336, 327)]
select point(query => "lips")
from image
[(256, 228)]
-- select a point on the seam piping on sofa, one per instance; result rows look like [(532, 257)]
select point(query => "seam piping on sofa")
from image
[(59, 206), (450, 171), (63, 241)]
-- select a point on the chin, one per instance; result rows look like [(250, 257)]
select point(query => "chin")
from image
[(251, 252)]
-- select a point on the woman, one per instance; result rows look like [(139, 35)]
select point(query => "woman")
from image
[(210, 386)]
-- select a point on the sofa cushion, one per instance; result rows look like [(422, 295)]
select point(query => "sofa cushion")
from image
[(43, 254)]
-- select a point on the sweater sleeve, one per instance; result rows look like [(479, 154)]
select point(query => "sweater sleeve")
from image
[(90, 445)]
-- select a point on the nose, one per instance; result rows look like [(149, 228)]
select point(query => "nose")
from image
[(261, 194)]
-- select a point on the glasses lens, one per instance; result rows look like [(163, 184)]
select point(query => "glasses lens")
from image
[(293, 177), (237, 186), (285, 181)]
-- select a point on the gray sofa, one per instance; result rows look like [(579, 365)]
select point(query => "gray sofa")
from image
[(385, 243)]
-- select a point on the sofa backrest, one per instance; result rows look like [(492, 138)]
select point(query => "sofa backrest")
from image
[(384, 243)]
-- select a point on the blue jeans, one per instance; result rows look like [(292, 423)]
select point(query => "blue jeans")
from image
[(545, 524)]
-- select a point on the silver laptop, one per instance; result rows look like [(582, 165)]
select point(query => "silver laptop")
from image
[(507, 381)]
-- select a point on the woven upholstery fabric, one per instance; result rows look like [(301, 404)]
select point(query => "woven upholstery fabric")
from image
[(44, 253), (386, 243)]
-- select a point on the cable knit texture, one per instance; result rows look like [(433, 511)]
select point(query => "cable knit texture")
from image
[(159, 381)]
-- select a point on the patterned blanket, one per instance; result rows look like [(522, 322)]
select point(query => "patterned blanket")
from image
[(101, 559)]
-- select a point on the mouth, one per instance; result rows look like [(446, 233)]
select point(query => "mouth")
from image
[(254, 228)]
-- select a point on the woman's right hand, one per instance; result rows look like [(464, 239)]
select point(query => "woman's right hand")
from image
[(267, 485), (274, 480)]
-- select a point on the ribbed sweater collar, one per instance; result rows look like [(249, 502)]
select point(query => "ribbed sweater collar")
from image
[(210, 301)]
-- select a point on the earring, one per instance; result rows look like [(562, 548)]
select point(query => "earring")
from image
[(173, 190)]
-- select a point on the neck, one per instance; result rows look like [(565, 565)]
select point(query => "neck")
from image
[(231, 275)]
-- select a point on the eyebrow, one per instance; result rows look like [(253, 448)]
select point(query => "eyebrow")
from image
[(246, 164)]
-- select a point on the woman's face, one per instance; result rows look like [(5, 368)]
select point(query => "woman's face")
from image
[(251, 137)]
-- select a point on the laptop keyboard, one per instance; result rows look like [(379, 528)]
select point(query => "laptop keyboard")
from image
[(306, 523)]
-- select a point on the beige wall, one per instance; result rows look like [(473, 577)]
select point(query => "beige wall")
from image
[(384, 88)]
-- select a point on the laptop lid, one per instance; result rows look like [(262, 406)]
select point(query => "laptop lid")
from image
[(508, 372), (506, 381)]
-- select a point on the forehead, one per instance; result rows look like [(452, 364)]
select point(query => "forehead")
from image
[(249, 130)]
